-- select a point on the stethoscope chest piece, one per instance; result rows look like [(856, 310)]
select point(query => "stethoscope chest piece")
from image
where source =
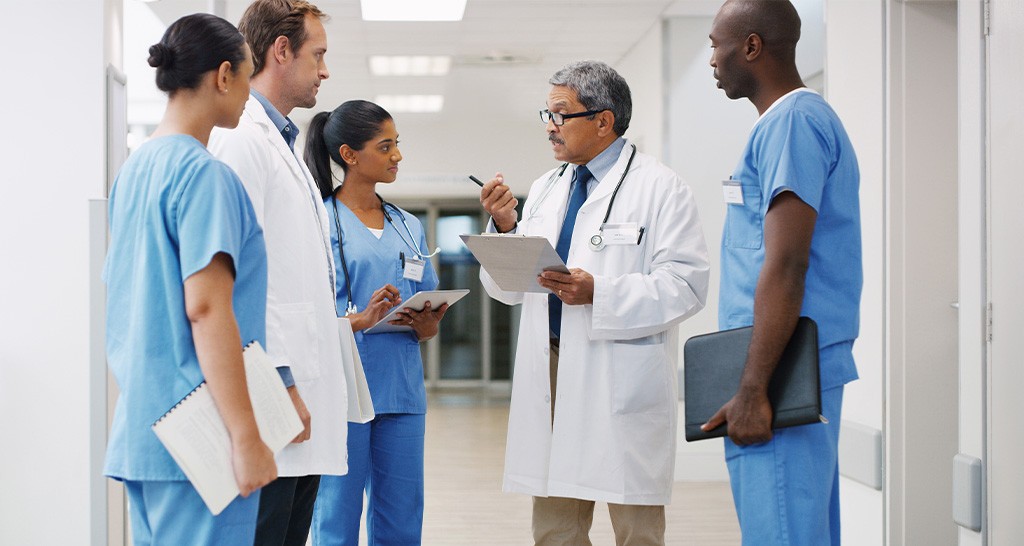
[(597, 242)]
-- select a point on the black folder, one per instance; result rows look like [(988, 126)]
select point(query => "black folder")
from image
[(713, 364)]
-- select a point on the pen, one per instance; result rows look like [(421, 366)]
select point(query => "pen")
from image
[(477, 180), (401, 256)]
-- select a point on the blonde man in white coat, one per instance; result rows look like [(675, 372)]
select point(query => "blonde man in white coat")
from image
[(594, 396), (288, 43)]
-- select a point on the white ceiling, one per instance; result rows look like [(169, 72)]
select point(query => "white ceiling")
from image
[(539, 36)]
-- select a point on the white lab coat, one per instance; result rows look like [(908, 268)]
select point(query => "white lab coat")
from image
[(614, 433), (302, 329)]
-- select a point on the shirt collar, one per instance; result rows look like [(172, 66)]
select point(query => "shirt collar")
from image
[(289, 131), (779, 101), (604, 161)]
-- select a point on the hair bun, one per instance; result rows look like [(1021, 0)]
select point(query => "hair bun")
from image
[(160, 56)]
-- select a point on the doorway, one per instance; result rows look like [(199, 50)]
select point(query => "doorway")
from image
[(475, 345)]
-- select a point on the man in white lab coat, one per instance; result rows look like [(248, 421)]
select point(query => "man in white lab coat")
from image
[(594, 394), (288, 43)]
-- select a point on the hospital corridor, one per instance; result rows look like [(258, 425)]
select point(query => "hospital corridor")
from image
[(670, 215), (465, 506)]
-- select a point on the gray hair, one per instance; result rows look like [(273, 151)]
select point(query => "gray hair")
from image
[(599, 87)]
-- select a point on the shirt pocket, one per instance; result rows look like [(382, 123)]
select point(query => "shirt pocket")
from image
[(300, 340), (743, 223)]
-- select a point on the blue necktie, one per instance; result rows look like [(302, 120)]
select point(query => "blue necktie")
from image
[(576, 199)]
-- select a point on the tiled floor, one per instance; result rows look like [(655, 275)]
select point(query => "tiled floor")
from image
[(465, 451)]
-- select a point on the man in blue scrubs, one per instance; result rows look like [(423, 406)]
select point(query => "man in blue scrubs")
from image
[(791, 247)]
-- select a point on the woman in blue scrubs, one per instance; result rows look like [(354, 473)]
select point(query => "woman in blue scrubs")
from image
[(186, 277), (381, 257)]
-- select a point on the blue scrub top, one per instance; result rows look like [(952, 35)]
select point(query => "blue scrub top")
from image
[(392, 361), (173, 207), (800, 145)]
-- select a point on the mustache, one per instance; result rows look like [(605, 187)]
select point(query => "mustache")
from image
[(556, 140)]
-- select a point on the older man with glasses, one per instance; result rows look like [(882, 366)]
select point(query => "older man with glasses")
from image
[(627, 227)]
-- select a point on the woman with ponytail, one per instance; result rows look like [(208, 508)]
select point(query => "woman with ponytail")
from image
[(381, 258), (186, 289)]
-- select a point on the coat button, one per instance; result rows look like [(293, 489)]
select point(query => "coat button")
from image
[(547, 351), (547, 398)]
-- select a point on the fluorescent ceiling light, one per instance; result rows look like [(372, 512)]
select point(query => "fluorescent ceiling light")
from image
[(413, 10), (411, 103), (405, 65)]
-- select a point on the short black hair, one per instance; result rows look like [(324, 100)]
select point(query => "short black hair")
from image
[(775, 21)]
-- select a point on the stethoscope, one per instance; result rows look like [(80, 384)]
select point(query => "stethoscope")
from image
[(410, 242), (596, 242)]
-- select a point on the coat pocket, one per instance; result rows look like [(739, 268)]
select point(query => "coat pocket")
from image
[(641, 382), (300, 340)]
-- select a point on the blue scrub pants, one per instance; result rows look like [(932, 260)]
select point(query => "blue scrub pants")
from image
[(385, 458), (786, 490), (173, 514)]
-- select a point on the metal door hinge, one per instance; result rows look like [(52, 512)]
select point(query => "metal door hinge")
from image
[(986, 9)]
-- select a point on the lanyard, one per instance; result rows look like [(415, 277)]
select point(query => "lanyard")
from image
[(351, 307)]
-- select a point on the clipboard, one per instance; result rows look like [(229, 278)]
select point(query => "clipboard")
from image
[(712, 367), (515, 261), (437, 298), (360, 405)]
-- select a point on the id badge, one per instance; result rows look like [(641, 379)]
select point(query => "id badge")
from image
[(732, 191), (627, 233), (413, 270)]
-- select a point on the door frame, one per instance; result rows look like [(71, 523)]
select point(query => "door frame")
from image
[(432, 366)]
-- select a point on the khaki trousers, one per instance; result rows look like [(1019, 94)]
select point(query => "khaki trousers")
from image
[(560, 521)]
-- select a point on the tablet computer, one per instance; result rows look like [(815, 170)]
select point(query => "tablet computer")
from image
[(437, 298)]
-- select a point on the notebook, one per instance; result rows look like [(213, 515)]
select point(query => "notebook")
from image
[(195, 436), (713, 364)]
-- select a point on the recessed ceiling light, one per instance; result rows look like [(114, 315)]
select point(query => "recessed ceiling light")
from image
[(411, 103), (406, 65), (413, 10)]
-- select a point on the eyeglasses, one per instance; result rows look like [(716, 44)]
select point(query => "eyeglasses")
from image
[(559, 118)]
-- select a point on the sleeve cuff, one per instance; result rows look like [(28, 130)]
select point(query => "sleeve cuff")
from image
[(491, 228), (286, 375)]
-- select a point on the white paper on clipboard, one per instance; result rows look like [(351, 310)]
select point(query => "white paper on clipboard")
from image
[(437, 298), (515, 261)]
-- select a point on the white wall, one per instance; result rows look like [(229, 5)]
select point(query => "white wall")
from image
[(52, 164), (704, 139), (922, 338), (854, 86), (972, 239), (642, 67)]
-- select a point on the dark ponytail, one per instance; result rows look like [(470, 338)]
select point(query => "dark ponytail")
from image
[(192, 46), (355, 123), (316, 155)]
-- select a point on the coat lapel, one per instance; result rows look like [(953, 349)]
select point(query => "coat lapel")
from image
[(607, 184)]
